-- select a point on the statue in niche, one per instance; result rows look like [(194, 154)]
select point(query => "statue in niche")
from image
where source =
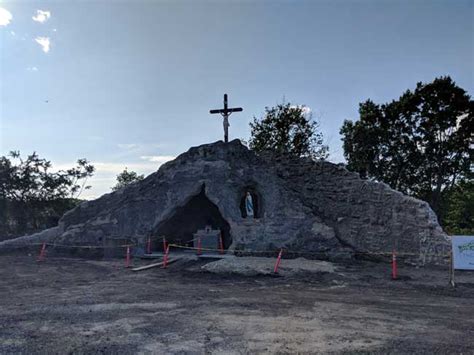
[(249, 205)]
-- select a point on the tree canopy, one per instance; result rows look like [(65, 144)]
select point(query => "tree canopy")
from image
[(126, 178), (31, 179), (458, 202), (421, 144), (33, 197), (290, 129)]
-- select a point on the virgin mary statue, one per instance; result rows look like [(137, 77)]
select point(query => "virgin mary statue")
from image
[(249, 205)]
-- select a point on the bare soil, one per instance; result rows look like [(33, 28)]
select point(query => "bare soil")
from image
[(71, 305)]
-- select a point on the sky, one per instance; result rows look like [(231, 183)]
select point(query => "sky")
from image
[(130, 83)]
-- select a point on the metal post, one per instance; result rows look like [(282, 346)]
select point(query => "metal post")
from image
[(451, 268), (226, 120)]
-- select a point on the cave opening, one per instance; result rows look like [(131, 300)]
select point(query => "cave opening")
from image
[(186, 220)]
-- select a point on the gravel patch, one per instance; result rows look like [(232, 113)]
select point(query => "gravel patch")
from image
[(253, 266)]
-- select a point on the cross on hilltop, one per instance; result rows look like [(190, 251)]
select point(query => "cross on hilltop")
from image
[(225, 112)]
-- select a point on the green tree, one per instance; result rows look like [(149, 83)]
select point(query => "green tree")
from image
[(288, 129), (420, 144), (32, 196), (126, 178), (31, 179), (459, 206)]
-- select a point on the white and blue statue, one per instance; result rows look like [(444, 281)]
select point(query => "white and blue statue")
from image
[(249, 205)]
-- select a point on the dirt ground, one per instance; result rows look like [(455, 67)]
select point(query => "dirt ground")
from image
[(68, 305)]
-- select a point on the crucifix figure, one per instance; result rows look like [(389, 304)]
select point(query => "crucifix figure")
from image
[(225, 112)]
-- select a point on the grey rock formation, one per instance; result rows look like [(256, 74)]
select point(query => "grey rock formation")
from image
[(301, 205)]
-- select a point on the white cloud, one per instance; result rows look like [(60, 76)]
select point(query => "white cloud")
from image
[(32, 69), (145, 148), (44, 43), (105, 176), (41, 16), (106, 173), (104, 170), (157, 158), (13, 33), (306, 110), (127, 145), (5, 17), (116, 168)]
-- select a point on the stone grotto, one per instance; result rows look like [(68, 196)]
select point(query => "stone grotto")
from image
[(301, 205)]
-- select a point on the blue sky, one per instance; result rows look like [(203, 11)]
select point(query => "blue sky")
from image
[(130, 84)]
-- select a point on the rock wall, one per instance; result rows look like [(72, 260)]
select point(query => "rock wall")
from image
[(365, 215), (306, 206)]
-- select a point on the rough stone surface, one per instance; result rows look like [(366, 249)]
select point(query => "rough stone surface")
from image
[(306, 206)]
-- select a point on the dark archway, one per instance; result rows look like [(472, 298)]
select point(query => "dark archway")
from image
[(198, 212)]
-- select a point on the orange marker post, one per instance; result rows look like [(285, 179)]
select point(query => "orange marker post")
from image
[(148, 246), (165, 258), (221, 244), (199, 251), (42, 252), (277, 264), (127, 257), (394, 266)]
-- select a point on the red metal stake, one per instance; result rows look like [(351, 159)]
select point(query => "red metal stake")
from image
[(148, 246), (127, 258), (277, 264), (165, 258), (199, 251), (164, 244), (42, 252), (394, 266)]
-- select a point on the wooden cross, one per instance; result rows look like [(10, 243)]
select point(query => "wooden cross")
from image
[(225, 112)]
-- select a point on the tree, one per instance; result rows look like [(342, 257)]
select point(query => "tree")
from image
[(459, 207), (30, 179), (420, 144), (32, 196), (126, 178), (288, 129)]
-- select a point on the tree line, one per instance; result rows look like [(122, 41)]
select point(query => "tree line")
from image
[(421, 144), (33, 196)]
